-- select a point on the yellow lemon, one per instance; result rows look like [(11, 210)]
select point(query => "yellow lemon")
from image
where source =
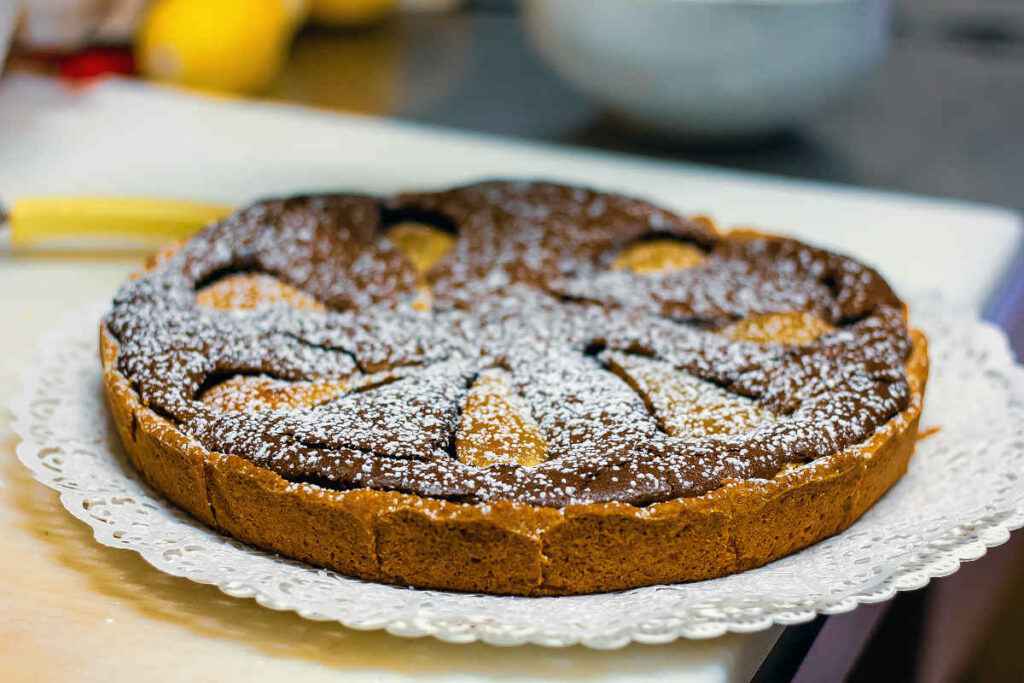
[(224, 45), (350, 12)]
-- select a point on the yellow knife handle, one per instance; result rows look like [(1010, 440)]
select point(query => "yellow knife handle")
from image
[(39, 221)]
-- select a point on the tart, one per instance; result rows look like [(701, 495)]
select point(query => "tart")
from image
[(512, 387)]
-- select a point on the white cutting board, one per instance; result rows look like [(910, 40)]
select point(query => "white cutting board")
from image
[(123, 137)]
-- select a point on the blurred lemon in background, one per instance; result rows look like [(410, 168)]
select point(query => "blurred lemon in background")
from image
[(234, 46)]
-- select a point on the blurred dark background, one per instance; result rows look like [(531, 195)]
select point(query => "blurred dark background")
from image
[(942, 116)]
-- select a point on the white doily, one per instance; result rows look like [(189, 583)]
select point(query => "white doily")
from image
[(964, 492)]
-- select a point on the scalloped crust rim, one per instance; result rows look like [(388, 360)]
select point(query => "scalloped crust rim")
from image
[(508, 548)]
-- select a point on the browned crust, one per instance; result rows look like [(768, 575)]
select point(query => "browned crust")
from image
[(518, 549)]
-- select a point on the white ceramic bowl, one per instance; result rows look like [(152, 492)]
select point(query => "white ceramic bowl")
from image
[(710, 68)]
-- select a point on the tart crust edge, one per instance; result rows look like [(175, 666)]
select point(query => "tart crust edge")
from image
[(514, 548)]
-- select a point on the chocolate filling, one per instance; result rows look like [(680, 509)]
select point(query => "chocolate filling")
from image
[(527, 287)]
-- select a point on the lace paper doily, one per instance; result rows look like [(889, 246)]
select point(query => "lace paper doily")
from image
[(964, 493)]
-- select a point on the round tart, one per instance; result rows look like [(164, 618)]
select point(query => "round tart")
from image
[(512, 388)]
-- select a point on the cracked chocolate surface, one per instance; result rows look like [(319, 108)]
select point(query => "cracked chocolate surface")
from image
[(528, 291)]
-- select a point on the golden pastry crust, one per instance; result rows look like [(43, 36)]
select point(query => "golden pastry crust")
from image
[(513, 548), (508, 547)]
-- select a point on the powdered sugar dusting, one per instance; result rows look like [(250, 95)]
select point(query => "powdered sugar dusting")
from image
[(605, 365)]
